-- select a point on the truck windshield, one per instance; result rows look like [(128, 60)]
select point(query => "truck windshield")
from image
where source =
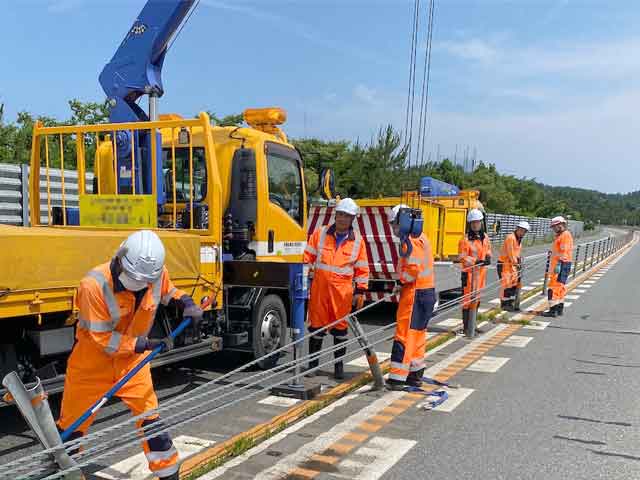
[(182, 174), (285, 180)]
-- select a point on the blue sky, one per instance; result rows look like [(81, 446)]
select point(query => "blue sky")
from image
[(544, 89)]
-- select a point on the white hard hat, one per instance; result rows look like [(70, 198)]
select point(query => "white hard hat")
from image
[(474, 215), (557, 220), (524, 224), (347, 205), (393, 216), (142, 256)]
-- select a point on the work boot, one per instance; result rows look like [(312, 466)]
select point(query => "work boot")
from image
[(551, 313), (560, 309), (395, 385), (175, 476), (508, 306), (415, 378), (315, 345), (338, 368)]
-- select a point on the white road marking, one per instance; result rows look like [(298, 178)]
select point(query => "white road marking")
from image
[(323, 441), (495, 301), (483, 310), (488, 364), (568, 304), (578, 290), (572, 297), (538, 283), (371, 461), (279, 401), (528, 288), (517, 341), (450, 322), (585, 286), (588, 282), (218, 472), (362, 361), (456, 397), (537, 325), (135, 467)]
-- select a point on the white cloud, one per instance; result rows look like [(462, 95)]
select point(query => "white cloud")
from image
[(472, 49), (365, 94)]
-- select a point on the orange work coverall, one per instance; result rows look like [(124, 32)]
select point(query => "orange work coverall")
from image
[(473, 249), (508, 265), (111, 319), (335, 270), (417, 299), (560, 267)]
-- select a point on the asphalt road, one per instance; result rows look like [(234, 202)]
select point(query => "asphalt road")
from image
[(565, 406)]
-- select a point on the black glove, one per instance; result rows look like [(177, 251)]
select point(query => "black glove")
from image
[(487, 260), (144, 344)]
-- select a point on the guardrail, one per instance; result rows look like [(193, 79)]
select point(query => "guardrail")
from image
[(14, 192), (500, 225)]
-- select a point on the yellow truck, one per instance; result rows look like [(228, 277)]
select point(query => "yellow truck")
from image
[(233, 223)]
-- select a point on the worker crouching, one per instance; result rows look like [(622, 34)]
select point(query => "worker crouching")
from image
[(474, 255), (415, 308), (510, 266), (117, 304), (559, 267), (337, 257)]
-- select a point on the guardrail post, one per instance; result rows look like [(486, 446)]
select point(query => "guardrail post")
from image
[(593, 256), (24, 187), (586, 254), (546, 275), (575, 264)]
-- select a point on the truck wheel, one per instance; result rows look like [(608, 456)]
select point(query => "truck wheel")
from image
[(269, 329)]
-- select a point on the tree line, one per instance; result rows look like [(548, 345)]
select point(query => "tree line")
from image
[(376, 168)]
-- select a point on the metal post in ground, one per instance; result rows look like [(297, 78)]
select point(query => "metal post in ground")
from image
[(298, 292), (586, 254), (593, 256), (516, 300), (473, 310), (575, 264), (546, 275)]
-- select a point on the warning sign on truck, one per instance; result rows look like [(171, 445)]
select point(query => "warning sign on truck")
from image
[(118, 211)]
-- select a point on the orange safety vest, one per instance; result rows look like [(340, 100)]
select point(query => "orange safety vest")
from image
[(510, 252), (109, 318), (471, 251), (336, 269), (562, 248), (418, 266)]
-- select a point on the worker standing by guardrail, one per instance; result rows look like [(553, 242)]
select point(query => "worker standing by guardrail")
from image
[(474, 255), (338, 259), (417, 299), (559, 267), (509, 264), (117, 302)]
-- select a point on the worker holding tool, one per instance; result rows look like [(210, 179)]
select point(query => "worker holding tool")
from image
[(510, 264), (559, 267), (415, 308), (117, 304), (338, 259), (474, 255)]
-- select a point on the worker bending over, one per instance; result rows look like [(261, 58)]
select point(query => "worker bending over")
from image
[(510, 265), (118, 302), (474, 255), (559, 267), (337, 257), (417, 299)]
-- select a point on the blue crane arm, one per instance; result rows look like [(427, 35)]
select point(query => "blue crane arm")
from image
[(136, 67)]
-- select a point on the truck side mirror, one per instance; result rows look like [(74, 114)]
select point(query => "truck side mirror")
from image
[(326, 184)]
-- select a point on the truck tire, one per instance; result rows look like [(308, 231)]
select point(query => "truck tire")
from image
[(269, 329)]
